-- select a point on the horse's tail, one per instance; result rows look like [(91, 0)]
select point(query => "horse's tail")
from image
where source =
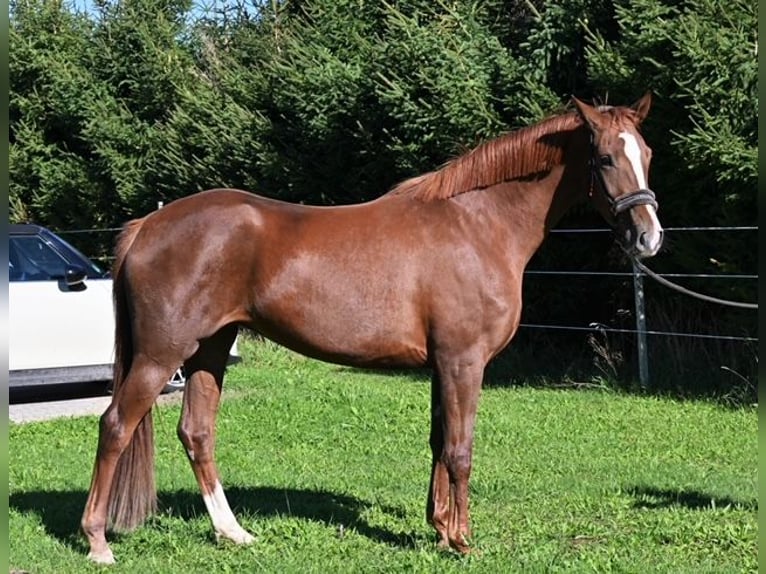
[(133, 496)]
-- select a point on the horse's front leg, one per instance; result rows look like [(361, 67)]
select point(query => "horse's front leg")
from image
[(437, 505), (460, 385)]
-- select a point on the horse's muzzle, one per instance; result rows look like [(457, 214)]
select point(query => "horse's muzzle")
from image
[(642, 242)]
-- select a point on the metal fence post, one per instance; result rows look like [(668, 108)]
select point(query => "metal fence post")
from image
[(643, 359)]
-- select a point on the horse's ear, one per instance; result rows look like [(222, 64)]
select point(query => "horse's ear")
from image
[(589, 114), (641, 107)]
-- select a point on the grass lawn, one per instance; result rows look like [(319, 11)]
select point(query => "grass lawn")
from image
[(328, 468)]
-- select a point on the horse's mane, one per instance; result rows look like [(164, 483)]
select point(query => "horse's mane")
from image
[(525, 153)]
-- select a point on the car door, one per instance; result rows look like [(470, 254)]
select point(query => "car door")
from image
[(54, 324)]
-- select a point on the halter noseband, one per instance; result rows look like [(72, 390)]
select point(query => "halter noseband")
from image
[(627, 200)]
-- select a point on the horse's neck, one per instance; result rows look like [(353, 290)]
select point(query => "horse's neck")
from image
[(529, 207), (524, 211)]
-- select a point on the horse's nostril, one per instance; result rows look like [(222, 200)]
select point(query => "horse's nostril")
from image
[(649, 241)]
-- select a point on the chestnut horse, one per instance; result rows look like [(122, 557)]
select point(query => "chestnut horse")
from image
[(428, 274)]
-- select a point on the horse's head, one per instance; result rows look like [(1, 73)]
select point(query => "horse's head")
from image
[(619, 168)]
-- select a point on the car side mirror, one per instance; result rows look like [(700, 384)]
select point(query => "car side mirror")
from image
[(74, 276)]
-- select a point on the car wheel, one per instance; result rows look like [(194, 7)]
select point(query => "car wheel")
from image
[(176, 383)]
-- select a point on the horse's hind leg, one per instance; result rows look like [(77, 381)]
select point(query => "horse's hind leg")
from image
[(196, 429), (130, 405)]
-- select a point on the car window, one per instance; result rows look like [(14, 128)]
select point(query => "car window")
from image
[(75, 257), (32, 259)]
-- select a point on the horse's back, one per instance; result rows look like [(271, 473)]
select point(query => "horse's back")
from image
[(314, 279)]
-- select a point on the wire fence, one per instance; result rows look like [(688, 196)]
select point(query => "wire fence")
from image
[(597, 327)]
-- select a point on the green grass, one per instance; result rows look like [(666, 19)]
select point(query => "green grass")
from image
[(328, 468)]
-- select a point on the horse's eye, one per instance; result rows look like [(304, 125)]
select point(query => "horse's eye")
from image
[(606, 160)]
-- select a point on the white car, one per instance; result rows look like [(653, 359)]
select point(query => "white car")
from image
[(61, 319)]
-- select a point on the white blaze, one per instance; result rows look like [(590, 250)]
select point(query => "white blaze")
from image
[(633, 151)]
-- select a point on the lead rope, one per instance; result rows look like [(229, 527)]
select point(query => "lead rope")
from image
[(686, 291)]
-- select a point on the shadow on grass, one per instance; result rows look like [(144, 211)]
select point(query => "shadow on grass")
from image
[(562, 366), (60, 511), (654, 498)]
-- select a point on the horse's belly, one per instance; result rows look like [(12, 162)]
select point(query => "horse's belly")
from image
[(346, 331), (342, 343)]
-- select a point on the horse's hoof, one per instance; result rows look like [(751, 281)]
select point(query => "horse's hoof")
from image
[(245, 538), (461, 545), (237, 536), (104, 557), (462, 549)]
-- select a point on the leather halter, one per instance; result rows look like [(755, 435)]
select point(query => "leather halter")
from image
[(624, 202)]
